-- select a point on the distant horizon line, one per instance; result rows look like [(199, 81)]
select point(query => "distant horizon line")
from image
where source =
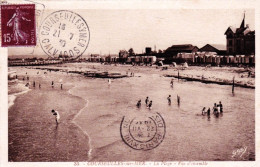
[(88, 54)]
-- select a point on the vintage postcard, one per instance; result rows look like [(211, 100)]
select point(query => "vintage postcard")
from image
[(132, 83)]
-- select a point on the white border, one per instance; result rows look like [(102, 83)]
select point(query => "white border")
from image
[(109, 4)]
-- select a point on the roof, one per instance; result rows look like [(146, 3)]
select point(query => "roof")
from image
[(251, 33), (241, 30), (219, 46), (233, 29), (184, 47), (214, 47)]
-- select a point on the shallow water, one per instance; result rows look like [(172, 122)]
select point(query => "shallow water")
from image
[(189, 136), (96, 132)]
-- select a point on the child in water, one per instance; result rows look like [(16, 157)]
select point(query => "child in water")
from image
[(138, 104), (169, 99), (146, 101), (203, 110), (150, 104), (57, 116)]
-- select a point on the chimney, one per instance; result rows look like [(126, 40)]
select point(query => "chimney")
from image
[(247, 25)]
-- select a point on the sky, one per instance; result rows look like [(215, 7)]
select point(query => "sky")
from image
[(112, 30)]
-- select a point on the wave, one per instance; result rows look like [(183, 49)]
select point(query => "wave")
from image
[(84, 132), (12, 97)]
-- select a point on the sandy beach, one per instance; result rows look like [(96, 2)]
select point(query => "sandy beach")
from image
[(33, 134), (91, 112)]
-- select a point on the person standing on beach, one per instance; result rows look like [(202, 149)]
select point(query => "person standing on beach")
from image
[(215, 109), (203, 110), (208, 112), (33, 83), (57, 116), (169, 99), (178, 100), (39, 85), (138, 103), (172, 83), (52, 84), (221, 107), (150, 105), (109, 81), (146, 101), (61, 86), (218, 107)]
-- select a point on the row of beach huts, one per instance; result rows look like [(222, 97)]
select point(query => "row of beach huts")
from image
[(213, 58), (190, 58)]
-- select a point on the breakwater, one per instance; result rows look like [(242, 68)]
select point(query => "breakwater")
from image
[(86, 73), (209, 81)]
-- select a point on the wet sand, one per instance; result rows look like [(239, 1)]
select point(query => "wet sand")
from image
[(33, 133)]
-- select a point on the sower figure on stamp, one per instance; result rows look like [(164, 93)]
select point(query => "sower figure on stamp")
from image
[(15, 21)]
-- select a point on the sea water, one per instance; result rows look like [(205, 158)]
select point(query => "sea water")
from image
[(93, 110)]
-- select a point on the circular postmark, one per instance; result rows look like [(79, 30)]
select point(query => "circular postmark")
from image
[(144, 132), (64, 34)]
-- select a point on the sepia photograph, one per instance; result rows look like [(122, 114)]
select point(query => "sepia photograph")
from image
[(129, 85)]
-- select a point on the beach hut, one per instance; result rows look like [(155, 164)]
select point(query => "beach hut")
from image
[(246, 59), (218, 59), (152, 59), (138, 59), (242, 57), (230, 59), (214, 59), (208, 58), (252, 59), (225, 59)]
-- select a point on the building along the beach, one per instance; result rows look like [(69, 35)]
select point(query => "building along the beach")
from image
[(218, 48), (112, 58), (94, 58), (240, 41), (141, 59), (172, 52), (123, 55)]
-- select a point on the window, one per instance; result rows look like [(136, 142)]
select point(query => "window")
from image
[(230, 50), (230, 42), (238, 45)]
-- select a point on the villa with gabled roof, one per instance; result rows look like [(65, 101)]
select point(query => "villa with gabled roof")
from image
[(240, 41)]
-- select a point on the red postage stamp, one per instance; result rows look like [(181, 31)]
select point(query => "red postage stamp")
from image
[(18, 25)]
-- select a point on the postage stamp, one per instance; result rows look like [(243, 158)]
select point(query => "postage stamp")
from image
[(18, 25), (143, 133), (64, 34)]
